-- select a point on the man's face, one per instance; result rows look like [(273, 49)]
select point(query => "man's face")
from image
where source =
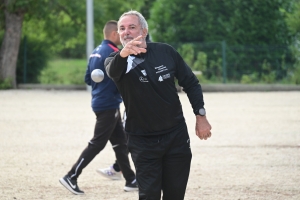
[(129, 28)]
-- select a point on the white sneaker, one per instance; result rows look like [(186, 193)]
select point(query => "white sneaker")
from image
[(110, 173)]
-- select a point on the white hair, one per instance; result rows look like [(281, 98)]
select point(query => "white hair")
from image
[(141, 18)]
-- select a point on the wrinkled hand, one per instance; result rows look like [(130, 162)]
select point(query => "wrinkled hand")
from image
[(133, 47), (203, 128)]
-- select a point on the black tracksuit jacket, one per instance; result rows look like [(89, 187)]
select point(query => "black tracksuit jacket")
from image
[(148, 88)]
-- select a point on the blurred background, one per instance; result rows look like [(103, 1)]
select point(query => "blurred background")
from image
[(223, 41)]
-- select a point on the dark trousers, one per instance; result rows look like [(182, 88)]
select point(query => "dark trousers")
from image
[(162, 164), (108, 127)]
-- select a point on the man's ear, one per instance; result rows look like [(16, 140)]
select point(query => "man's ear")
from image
[(116, 34), (145, 32)]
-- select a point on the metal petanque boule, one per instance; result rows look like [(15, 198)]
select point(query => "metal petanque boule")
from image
[(97, 75)]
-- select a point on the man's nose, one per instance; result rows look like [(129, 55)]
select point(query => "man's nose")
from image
[(126, 31)]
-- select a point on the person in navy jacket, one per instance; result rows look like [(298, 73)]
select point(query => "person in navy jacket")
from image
[(106, 105)]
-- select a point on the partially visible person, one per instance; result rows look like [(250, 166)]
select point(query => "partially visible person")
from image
[(113, 172), (106, 105), (158, 139)]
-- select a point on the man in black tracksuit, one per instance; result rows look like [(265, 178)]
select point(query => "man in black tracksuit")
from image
[(158, 139), (113, 171)]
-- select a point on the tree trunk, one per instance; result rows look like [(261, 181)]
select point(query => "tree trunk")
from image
[(10, 46)]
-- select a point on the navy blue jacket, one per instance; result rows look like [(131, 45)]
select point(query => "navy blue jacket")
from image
[(105, 95)]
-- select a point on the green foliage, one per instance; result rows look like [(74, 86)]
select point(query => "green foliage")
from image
[(6, 84), (292, 18), (61, 28), (2, 21), (146, 7), (202, 79), (257, 33), (249, 79), (293, 23), (296, 76), (64, 71), (244, 25), (215, 68), (73, 77), (17, 6), (268, 75), (201, 62), (36, 58), (237, 22), (50, 76), (196, 60), (265, 79), (239, 59), (187, 52), (30, 7), (295, 72), (77, 77), (63, 25)]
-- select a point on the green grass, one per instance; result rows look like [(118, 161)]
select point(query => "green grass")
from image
[(64, 71), (64, 66)]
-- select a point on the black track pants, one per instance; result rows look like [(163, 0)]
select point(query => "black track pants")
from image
[(108, 128), (162, 164)]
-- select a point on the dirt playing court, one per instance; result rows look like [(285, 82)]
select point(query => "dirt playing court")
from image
[(254, 152)]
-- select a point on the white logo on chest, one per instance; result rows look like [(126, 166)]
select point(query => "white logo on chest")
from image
[(143, 79), (162, 77), (144, 72), (161, 69)]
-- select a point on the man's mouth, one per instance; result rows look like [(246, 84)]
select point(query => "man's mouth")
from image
[(128, 38)]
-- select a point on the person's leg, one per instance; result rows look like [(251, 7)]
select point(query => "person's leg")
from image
[(118, 141), (102, 132), (116, 166), (107, 172), (147, 153), (176, 165)]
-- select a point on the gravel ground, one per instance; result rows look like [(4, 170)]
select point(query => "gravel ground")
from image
[(254, 152)]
